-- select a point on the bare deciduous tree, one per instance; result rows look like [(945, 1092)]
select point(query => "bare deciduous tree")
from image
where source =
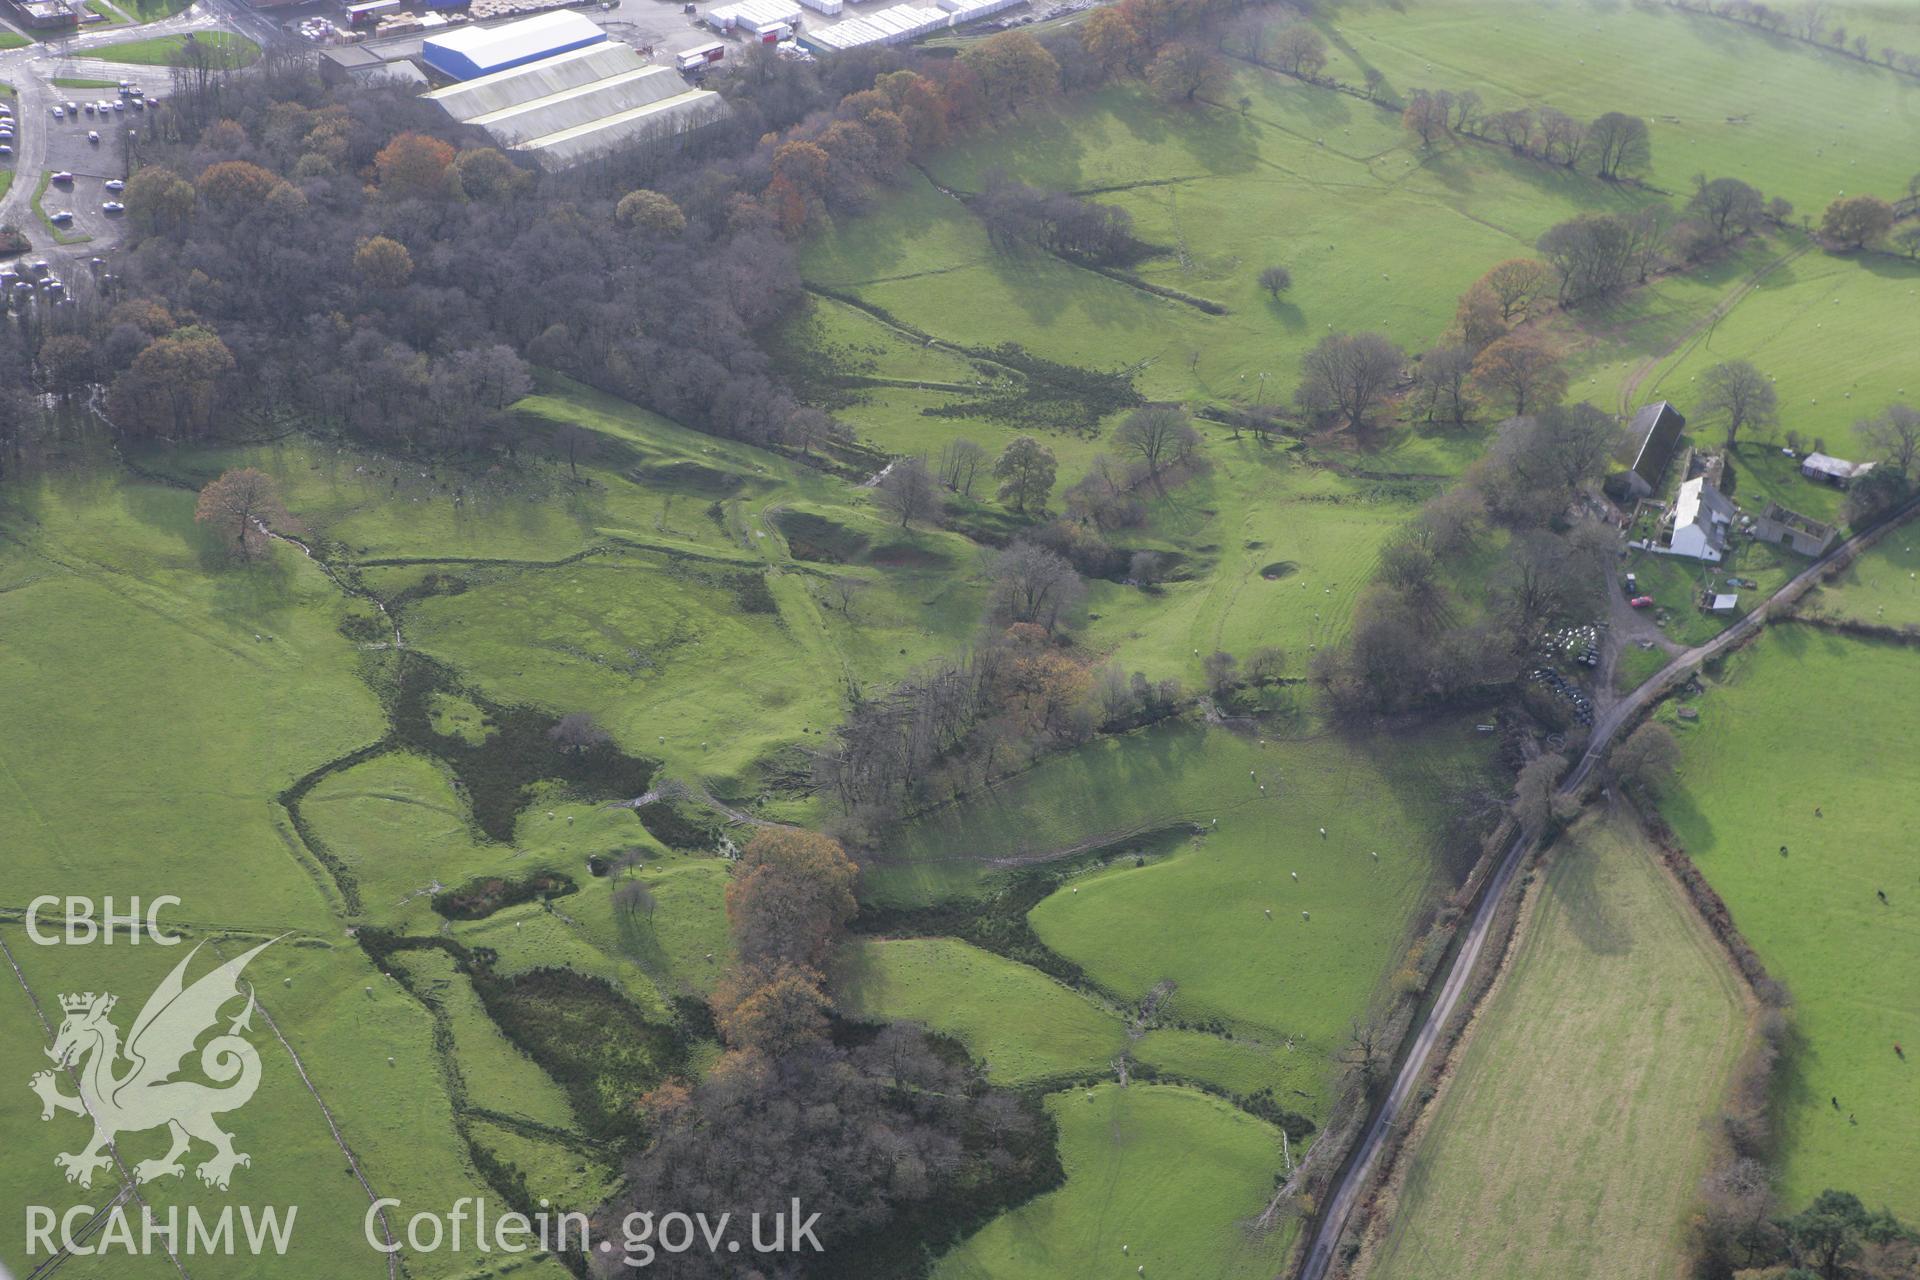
[(1159, 435), (1741, 392), (1349, 374), (961, 462), (908, 491)]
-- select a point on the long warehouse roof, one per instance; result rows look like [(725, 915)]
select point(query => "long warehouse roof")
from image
[(487, 94), (575, 105)]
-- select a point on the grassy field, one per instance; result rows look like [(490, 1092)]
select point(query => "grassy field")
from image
[(1881, 586), (1171, 1174), (229, 49), (1795, 121), (1340, 195), (1024, 1025), (1802, 744), (1574, 1128), (1195, 915), (1830, 332)]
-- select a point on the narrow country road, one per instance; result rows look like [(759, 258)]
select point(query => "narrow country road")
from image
[(1360, 1168)]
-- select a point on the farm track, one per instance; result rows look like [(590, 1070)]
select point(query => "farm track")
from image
[(1360, 1166), (1685, 343)]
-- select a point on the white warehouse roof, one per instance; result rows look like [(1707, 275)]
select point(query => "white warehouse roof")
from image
[(476, 51)]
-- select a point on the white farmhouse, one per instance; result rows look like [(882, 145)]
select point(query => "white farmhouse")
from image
[(1701, 515)]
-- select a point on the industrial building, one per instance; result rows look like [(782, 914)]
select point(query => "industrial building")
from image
[(358, 65), (771, 19), (900, 23), (471, 52), (46, 15), (579, 102)]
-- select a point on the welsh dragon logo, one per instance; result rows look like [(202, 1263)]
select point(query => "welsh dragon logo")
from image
[(143, 1094)]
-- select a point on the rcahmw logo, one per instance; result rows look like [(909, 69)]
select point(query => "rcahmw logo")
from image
[(131, 1086)]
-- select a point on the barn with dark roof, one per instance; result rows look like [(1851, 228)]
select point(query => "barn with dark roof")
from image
[(1655, 431)]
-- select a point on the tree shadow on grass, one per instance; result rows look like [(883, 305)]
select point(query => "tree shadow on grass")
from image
[(1583, 890)]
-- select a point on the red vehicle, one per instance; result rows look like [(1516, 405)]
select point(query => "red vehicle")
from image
[(1641, 602)]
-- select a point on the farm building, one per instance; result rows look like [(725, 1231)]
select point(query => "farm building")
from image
[(472, 52), (1803, 533), (1837, 472), (580, 104), (1701, 515), (1655, 431)]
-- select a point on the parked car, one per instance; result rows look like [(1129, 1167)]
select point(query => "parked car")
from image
[(1633, 584), (114, 184), (93, 135), (89, 108), (59, 113), (63, 176), (1641, 602), (5, 149), (60, 217), (113, 206)]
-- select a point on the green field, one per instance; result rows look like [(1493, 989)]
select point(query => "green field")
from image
[(1830, 331), (1195, 914), (238, 735), (1168, 1173), (1881, 586), (1611, 1039), (1340, 195), (1795, 121), (1022, 1024), (1800, 721), (168, 51)]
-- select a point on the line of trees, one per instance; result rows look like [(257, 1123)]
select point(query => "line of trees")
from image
[(1812, 23), (1612, 146)]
